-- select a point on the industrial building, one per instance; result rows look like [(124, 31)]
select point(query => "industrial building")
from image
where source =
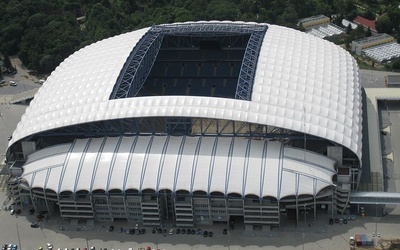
[(193, 123)]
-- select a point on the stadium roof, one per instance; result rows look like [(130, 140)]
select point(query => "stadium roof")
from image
[(224, 165), (301, 83)]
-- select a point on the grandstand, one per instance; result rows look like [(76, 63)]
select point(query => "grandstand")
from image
[(191, 124)]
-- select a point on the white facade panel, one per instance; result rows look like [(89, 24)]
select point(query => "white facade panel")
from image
[(120, 163), (260, 168), (136, 163), (70, 169), (53, 177), (85, 176), (104, 165), (151, 164), (203, 165)]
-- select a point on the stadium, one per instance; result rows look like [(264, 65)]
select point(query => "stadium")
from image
[(193, 123)]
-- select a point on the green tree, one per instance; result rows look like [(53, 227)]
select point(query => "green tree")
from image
[(222, 10), (384, 25), (368, 33), (6, 61)]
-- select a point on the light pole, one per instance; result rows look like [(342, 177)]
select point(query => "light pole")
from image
[(376, 219), (87, 243), (19, 239), (305, 217)]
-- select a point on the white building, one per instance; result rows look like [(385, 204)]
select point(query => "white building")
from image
[(193, 123)]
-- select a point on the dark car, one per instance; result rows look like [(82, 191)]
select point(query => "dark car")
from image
[(199, 231), (330, 221), (205, 234), (183, 231), (178, 231), (154, 231), (31, 211), (188, 231), (231, 226), (110, 228), (18, 211), (120, 230), (34, 225), (159, 230), (344, 221), (164, 231), (193, 231), (210, 234), (142, 231), (225, 231), (336, 220)]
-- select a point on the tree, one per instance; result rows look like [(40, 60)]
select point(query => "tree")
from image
[(7, 61), (348, 29), (368, 33), (222, 10), (384, 25)]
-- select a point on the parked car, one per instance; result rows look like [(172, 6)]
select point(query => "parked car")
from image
[(193, 231), (12, 212), (210, 234), (49, 246), (31, 211), (188, 231), (178, 231), (331, 221), (225, 231), (34, 225), (142, 231), (13, 83), (111, 228), (171, 231), (205, 234), (154, 231)]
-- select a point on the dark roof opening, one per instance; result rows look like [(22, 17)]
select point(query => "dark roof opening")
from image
[(196, 66)]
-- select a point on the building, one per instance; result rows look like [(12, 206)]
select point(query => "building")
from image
[(365, 23), (361, 44), (320, 26), (193, 123), (313, 21)]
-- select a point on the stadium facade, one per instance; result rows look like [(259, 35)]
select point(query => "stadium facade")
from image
[(193, 123)]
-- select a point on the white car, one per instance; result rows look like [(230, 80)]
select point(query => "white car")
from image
[(13, 83), (49, 246)]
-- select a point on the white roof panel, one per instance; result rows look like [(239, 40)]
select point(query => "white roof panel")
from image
[(299, 79)]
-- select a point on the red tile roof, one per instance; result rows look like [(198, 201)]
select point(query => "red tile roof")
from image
[(365, 22)]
